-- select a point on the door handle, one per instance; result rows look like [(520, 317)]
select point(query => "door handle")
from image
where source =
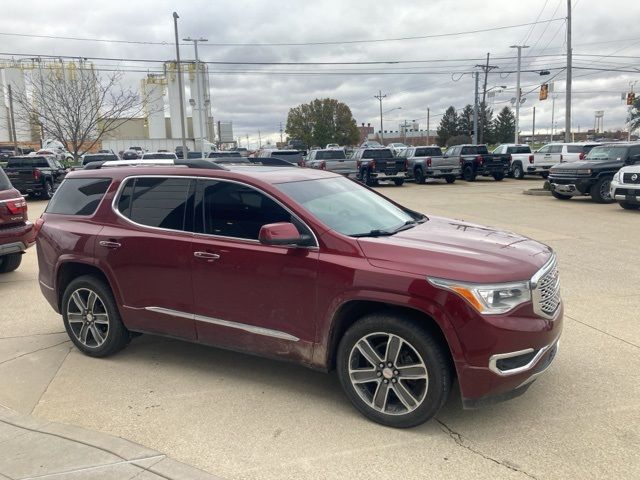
[(107, 244), (207, 255)]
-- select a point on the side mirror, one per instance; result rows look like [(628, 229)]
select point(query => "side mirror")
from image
[(282, 233)]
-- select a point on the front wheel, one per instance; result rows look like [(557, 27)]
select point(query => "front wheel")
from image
[(630, 206), (91, 317), (8, 263), (560, 196), (544, 175), (393, 371), (600, 192), (468, 174), (398, 181), (450, 178)]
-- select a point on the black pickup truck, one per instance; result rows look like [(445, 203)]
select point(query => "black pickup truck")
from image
[(375, 164), (36, 176), (476, 160), (592, 176)]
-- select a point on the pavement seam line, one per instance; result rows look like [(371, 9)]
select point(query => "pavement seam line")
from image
[(602, 331), (34, 351), (32, 335), (457, 437), (95, 467), (52, 379), (147, 469)]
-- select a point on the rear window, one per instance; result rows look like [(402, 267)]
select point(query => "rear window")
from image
[(330, 155), (5, 184), (33, 162), (523, 149), (576, 148), (78, 196), (224, 154), (475, 150), (98, 158), (155, 202), (377, 153), (428, 152)]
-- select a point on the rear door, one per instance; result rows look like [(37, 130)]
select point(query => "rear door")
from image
[(146, 245)]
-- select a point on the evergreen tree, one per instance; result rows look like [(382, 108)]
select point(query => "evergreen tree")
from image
[(448, 126), (465, 121), (485, 125), (505, 126)]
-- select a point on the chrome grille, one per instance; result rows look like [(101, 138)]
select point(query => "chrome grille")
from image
[(546, 290)]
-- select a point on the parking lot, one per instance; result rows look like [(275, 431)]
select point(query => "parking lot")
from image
[(242, 417)]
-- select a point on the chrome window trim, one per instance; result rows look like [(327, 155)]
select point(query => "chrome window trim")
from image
[(267, 332), (199, 234)]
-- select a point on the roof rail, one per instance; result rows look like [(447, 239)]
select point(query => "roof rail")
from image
[(190, 163)]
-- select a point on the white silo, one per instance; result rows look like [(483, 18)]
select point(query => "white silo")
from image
[(4, 112), (14, 77), (174, 100), (152, 89)]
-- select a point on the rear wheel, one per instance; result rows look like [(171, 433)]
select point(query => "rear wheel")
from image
[(560, 196), (91, 317), (498, 177), (366, 178), (450, 178), (630, 206), (518, 171), (8, 263), (600, 191), (418, 174), (47, 192), (392, 371), (544, 175), (398, 181), (468, 174)]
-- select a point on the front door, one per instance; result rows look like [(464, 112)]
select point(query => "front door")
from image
[(247, 295)]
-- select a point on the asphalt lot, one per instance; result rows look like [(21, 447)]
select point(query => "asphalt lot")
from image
[(242, 417)]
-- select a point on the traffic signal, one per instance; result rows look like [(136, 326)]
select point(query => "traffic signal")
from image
[(631, 97), (544, 91)]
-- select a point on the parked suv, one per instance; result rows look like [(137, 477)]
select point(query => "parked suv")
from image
[(625, 186), (16, 232), (428, 162), (304, 265), (592, 176)]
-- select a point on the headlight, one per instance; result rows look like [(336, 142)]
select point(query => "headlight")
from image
[(616, 177), (491, 299), (585, 172)]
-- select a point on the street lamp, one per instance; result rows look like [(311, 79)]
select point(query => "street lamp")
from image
[(519, 47), (180, 87), (198, 92)]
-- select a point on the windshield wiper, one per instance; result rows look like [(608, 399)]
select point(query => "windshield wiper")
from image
[(381, 233)]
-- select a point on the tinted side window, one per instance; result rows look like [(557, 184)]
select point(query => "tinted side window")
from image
[(5, 184), (78, 196), (155, 202), (233, 210), (544, 149), (555, 149)]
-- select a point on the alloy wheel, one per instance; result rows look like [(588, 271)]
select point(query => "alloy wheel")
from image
[(605, 191), (88, 318), (388, 373)]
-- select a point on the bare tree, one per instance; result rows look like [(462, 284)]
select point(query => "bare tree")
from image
[(76, 105)]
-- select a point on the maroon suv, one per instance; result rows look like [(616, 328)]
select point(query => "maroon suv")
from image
[(303, 265), (16, 232)]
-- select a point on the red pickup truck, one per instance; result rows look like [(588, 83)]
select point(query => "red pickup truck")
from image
[(16, 232)]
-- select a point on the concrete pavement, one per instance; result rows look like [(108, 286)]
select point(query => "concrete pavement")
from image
[(242, 417)]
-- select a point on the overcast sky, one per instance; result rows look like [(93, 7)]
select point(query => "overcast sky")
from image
[(255, 100)]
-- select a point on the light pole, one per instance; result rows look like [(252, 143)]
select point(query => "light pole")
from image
[(518, 94), (631, 85), (180, 87), (199, 95), (380, 97)]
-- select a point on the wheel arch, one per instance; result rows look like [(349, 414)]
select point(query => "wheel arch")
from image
[(67, 271)]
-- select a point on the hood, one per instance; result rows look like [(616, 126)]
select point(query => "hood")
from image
[(457, 250), (583, 164)]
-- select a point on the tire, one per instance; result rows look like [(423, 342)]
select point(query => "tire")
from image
[(468, 174), (629, 206), (600, 191), (8, 263), (518, 171), (560, 196), (366, 178), (498, 177), (423, 396), (419, 177), (100, 325), (544, 175), (47, 193), (398, 181), (450, 178)]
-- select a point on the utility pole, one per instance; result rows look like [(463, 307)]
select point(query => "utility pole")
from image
[(259, 140), (631, 85), (199, 92), (553, 112), (428, 137), (533, 130), (13, 121), (248, 142), (486, 68), (567, 115), (475, 111), (518, 93), (380, 97), (180, 87)]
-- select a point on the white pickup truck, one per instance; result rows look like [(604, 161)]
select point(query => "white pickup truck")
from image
[(522, 159)]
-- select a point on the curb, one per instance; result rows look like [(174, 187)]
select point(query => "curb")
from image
[(538, 192)]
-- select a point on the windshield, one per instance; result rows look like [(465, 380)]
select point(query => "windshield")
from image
[(330, 155), (612, 152), (347, 207)]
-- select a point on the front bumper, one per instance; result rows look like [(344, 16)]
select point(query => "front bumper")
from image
[(571, 186), (625, 192)]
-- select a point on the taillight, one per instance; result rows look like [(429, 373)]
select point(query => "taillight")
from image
[(510, 159), (323, 165), (479, 159), (36, 175), (373, 164), (428, 161), (38, 226), (406, 164), (581, 156), (358, 164), (530, 158), (560, 157), (17, 206)]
